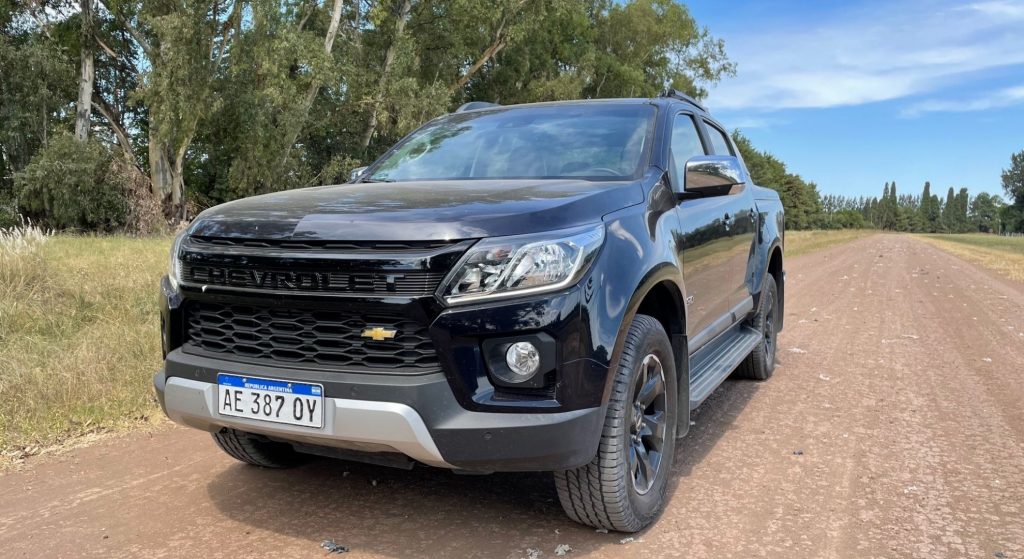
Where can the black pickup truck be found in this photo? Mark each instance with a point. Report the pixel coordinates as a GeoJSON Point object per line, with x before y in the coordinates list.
{"type": "Point", "coordinates": [545, 287]}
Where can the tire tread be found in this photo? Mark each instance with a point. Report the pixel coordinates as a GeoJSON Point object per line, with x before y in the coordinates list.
{"type": "Point", "coordinates": [597, 493]}
{"type": "Point", "coordinates": [756, 365]}
{"type": "Point", "coordinates": [246, 448]}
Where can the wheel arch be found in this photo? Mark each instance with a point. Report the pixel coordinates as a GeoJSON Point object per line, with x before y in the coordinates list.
{"type": "Point", "coordinates": [777, 271]}
{"type": "Point", "coordinates": [773, 260]}
{"type": "Point", "coordinates": [660, 296]}
{"type": "Point", "coordinates": [767, 258]}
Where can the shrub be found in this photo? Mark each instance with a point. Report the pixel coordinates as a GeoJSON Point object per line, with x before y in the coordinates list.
{"type": "Point", "coordinates": [69, 185]}
{"type": "Point", "coordinates": [144, 215]}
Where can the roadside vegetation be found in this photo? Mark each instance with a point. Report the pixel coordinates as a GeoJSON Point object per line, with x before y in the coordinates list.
{"type": "Point", "coordinates": [78, 334]}
{"type": "Point", "coordinates": [1005, 255]}
{"type": "Point", "coordinates": [804, 242]}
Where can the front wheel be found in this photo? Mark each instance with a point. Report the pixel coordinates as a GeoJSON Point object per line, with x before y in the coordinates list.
{"type": "Point", "coordinates": [256, 450]}
{"type": "Point", "coordinates": [623, 487]}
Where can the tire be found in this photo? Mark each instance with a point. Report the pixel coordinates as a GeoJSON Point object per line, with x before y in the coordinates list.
{"type": "Point", "coordinates": [760, 364]}
{"type": "Point", "coordinates": [606, 493]}
{"type": "Point", "coordinates": [257, 451]}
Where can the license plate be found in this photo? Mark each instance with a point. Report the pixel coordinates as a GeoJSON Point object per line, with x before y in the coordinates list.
{"type": "Point", "coordinates": [293, 403]}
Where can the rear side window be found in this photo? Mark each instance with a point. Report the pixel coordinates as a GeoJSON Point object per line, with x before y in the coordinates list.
{"type": "Point", "coordinates": [718, 140]}
{"type": "Point", "coordinates": [685, 144]}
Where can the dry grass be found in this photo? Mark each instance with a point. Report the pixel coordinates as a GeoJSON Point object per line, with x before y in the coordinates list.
{"type": "Point", "coordinates": [803, 242]}
{"type": "Point", "coordinates": [79, 338]}
{"type": "Point", "coordinates": [1005, 255]}
{"type": "Point", "coordinates": [20, 257]}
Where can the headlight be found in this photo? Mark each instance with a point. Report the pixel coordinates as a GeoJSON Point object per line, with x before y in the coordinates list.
{"type": "Point", "coordinates": [510, 266]}
{"type": "Point", "coordinates": [174, 266]}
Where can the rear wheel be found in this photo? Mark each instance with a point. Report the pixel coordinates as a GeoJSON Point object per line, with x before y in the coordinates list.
{"type": "Point", "coordinates": [256, 450]}
{"type": "Point", "coordinates": [623, 487]}
{"type": "Point", "coordinates": [760, 364]}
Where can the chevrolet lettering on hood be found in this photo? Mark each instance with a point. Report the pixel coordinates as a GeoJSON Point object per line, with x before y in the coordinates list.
{"type": "Point", "coordinates": [292, 281]}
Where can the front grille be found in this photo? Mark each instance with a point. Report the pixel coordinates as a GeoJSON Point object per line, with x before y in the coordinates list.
{"type": "Point", "coordinates": [326, 339]}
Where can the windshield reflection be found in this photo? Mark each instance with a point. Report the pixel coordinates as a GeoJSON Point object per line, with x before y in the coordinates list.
{"type": "Point", "coordinates": [599, 141]}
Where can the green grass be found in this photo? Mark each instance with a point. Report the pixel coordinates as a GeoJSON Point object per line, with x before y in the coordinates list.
{"type": "Point", "coordinates": [994, 242]}
{"type": "Point", "coordinates": [79, 337]}
{"type": "Point", "coordinates": [1005, 255]}
{"type": "Point", "coordinates": [804, 242]}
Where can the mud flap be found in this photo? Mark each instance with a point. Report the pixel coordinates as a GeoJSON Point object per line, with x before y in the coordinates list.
{"type": "Point", "coordinates": [681, 348]}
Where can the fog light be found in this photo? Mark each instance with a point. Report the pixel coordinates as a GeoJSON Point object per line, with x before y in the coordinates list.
{"type": "Point", "coordinates": [523, 359]}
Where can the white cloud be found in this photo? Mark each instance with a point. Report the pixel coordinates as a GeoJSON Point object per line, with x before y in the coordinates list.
{"type": "Point", "coordinates": [747, 122]}
{"type": "Point", "coordinates": [995, 100]}
{"type": "Point", "coordinates": [1006, 9]}
{"type": "Point", "coordinates": [889, 51]}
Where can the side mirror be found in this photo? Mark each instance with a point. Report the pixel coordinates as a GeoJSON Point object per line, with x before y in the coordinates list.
{"type": "Point", "coordinates": [356, 173]}
{"type": "Point", "coordinates": [713, 175]}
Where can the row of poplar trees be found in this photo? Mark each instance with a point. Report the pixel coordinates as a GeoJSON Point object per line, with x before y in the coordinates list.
{"type": "Point", "coordinates": [958, 212]}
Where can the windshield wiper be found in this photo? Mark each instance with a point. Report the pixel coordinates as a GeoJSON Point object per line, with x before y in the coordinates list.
{"type": "Point", "coordinates": [368, 179]}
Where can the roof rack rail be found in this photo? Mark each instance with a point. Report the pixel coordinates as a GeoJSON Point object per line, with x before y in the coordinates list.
{"type": "Point", "coordinates": [676, 94]}
{"type": "Point", "coordinates": [472, 105]}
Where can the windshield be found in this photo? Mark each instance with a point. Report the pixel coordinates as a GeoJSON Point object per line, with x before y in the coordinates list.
{"type": "Point", "coordinates": [599, 141]}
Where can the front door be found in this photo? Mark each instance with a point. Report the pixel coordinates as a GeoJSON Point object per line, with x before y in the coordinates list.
{"type": "Point", "coordinates": [740, 217]}
{"type": "Point", "coordinates": [705, 243]}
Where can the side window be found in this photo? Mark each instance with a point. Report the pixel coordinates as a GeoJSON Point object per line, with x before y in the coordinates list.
{"type": "Point", "coordinates": [685, 144]}
{"type": "Point", "coordinates": [718, 140]}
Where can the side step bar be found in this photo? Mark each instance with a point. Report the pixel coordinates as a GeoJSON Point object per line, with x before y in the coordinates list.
{"type": "Point", "coordinates": [714, 362]}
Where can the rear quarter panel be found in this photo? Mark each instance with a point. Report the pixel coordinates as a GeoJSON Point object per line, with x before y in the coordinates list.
{"type": "Point", "coordinates": [770, 237]}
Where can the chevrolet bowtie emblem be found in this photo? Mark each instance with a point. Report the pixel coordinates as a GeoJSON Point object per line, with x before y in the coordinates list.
{"type": "Point", "coordinates": [377, 333]}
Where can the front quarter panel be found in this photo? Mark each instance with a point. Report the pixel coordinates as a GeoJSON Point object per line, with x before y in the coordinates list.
{"type": "Point", "coordinates": [639, 253]}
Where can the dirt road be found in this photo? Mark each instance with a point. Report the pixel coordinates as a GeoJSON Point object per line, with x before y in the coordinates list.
{"type": "Point", "coordinates": [894, 427]}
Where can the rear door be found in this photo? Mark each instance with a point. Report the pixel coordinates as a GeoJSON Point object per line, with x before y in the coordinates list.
{"type": "Point", "coordinates": [704, 240]}
{"type": "Point", "coordinates": [740, 218]}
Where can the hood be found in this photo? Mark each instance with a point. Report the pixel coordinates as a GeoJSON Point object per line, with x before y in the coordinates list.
{"type": "Point", "coordinates": [421, 210]}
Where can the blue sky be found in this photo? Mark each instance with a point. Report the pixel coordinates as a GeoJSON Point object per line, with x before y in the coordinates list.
{"type": "Point", "coordinates": [853, 94]}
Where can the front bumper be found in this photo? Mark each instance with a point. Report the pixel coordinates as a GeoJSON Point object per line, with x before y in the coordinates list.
{"type": "Point", "coordinates": [416, 416]}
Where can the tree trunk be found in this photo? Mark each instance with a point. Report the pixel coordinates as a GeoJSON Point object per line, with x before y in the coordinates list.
{"type": "Point", "coordinates": [114, 121]}
{"type": "Point", "coordinates": [83, 114]}
{"type": "Point", "coordinates": [332, 32]}
{"type": "Point", "coordinates": [389, 60]}
{"type": "Point", "coordinates": [500, 41]}
{"type": "Point", "coordinates": [492, 50]}
{"type": "Point", "coordinates": [166, 176]}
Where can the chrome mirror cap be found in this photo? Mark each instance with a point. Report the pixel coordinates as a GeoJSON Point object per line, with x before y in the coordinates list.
{"type": "Point", "coordinates": [713, 174]}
